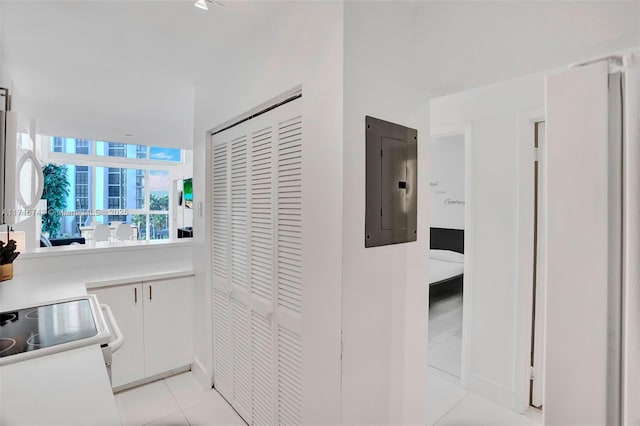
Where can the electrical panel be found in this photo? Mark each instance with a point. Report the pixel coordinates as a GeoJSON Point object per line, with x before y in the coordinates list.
{"type": "Point", "coordinates": [391, 183]}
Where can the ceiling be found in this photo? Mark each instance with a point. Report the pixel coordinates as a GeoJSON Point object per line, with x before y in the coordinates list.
{"type": "Point", "coordinates": [103, 69]}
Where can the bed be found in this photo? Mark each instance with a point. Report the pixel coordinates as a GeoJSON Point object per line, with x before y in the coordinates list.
{"type": "Point", "coordinates": [446, 257]}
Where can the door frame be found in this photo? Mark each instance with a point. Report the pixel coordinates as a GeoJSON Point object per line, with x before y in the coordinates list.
{"type": "Point", "coordinates": [466, 129]}
{"type": "Point", "coordinates": [525, 157]}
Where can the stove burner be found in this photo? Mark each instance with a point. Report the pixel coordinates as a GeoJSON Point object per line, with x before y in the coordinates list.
{"type": "Point", "coordinates": [32, 314]}
{"type": "Point", "coordinates": [34, 340]}
{"type": "Point", "coordinates": [6, 317]}
{"type": "Point", "coordinates": [6, 343]}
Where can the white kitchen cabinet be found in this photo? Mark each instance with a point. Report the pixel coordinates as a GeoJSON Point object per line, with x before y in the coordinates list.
{"type": "Point", "coordinates": [156, 319]}
{"type": "Point", "coordinates": [168, 321]}
{"type": "Point", "coordinates": [126, 305]}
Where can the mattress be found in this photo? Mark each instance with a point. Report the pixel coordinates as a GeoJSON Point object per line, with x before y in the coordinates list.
{"type": "Point", "coordinates": [441, 270]}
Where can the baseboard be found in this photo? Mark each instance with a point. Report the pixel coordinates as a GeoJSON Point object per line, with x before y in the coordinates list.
{"type": "Point", "coordinates": [150, 379]}
{"type": "Point", "coordinates": [492, 391]}
{"type": "Point", "coordinates": [203, 376]}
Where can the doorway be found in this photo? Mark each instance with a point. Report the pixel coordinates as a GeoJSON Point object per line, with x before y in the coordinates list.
{"type": "Point", "coordinates": [537, 309]}
{"type": "Point", "coordinates": [447, 177]}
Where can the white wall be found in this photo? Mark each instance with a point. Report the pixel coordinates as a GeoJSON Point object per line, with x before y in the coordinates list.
{"type": "Point", "coordinates": [3, 71]}
{"type": "Point", "coordinates": [397, 56]}
{"type": "Point", "coordinates": [446, 181]}
{"type": "Point", "coordinates": [466, 44]}
{"type": "Point", "coordinates": [303, 46]}
{"type": "Point", "coordinates": [494, 112]}
{"type": "Point", "coordinates": [384, 288]}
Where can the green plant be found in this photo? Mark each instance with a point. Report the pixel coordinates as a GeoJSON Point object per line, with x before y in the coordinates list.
{"type": "Point", "coordinates": [56, 191]}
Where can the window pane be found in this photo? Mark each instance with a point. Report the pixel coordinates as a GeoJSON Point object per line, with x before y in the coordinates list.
{"type": "Point", "coordinates": [140, 220]}
{"type": "Point", "coordinates": [74, 208]}
{"type": "Point", "coordinates": [57, 144]}
{"type": "Point", "coordinates": [159, 190]}
{"type": "Point", "coordinates": [122, 150]}
{"type": "Point", "coordinates": [164, 154]}
{"type": "Point", "coordinates": [158, 226]}
{"type": "Point", "coordinates": [70, 145]}
{"type": "Point", "coordinates": [83, 146]}
{"type": "Point", "coordinates": [121, 189]}
{"type": "Point", "coordinates": [140, 180]}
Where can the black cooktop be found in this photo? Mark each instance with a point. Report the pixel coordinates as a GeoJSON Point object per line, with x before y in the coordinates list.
{"type": "Point", "coordinates": [39, 327]}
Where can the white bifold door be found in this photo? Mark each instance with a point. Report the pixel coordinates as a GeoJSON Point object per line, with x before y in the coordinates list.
{"type": "Point", "coordinates": [256, 167]}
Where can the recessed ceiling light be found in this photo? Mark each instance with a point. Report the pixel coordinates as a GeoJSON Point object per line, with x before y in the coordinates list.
{"type": "Point", "coordinates": [128, 135]}
{"type": "Point", "coordinates": [204, 4]}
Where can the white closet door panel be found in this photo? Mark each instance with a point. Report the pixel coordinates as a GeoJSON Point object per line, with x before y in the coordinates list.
{"type": "Point", "coordinates": [221, 210]}
{"type": "Point", "coordinates": [241, 332]}
{"type": "Point", "coordinates": [222, 341]}
{"type": "Point", "coordinates": [262, 370]}
{"type": "Point", "coordinates": [262, 214]}
{"type": "Point", "coordinates": [257, 323]}
{"type": "Point", "coordinates": [289, 399]}
{"type": "Point", "coordinates": [289, 215]}
{"type": "Point", "coordinates": [239, 214]}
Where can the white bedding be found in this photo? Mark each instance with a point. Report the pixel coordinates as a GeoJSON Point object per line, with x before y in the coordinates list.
{"type": "Point", "coordinates": [441, 270]}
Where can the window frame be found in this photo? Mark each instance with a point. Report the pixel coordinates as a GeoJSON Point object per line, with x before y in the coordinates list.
{"type": "Point", "coordinates": [93, 161]}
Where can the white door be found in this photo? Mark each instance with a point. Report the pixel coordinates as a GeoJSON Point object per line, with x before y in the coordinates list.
{"type": "Point", "coordinates": [168, 324]}
{"type": "Point", "coordinates": [126, 304]}
{"type": "Point", "coordinates": [257, 265]}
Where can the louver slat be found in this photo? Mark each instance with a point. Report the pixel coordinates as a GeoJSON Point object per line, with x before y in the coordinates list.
{"type": "Point", "coordinates": [241, 358]}
{"type": "Point", "coordinates": [220, 211]}
{"type": "Point", "coordinates": [239, 219]}
{"type": "Point", "coordinates": [289, 400]}
{"type": "Point", "coordinates": [223, 368]}
{"type": "Point", "coordinates": [262, 370]}
{"type": "Point", "coordinates": [289, 239]}
{"type": "Point", "coordinates": [262, 214]}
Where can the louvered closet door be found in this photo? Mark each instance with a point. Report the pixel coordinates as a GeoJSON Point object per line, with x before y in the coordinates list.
{"type": "Point", "coordinates": [257, 266]}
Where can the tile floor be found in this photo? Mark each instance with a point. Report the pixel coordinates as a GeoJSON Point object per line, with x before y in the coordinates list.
{"type": "Point", "coordinates": [180, 400]}
{"type": "Point", "coordinates": [445, 334]}
{"type": "Point", "coordinates": [175, 401]}
{"type": "Point", "coordinates": [448, 403]}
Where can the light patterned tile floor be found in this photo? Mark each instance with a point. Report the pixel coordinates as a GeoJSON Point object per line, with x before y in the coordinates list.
{"type": "Point", "coordinates": [448, 403]}
{"type": "Point", "coordinates": [175, 401]}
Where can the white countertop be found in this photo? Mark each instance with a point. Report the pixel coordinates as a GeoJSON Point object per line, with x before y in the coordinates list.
{"type": "Point", "coordinates": [66, 388]}
{"type": "Point", "coordinates": [93, 247]}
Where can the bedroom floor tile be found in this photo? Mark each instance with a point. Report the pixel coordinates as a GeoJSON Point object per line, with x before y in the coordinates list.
{"type": "Point", "coordinates": [440, 330]}
{"type": "Point", "coordinates": [453, 342]}
{"type": "Point", "coordinates": [477, 411]}
{"type": "Point", "coordinates": [442, 396]}
{"type": "Point", "coordinates": [453, 316]}
{"type": "Point", "coordinates": [446, 359]}
{"type": "Point", "coordinates": [445, 305]}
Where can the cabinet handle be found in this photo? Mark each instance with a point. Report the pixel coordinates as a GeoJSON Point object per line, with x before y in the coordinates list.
{"type": "Point", "coordinates": [150, 292]}
{"type": "Point", "coordinates": [135, 295]}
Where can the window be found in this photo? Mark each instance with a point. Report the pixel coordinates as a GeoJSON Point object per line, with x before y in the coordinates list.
{"type": "Point", "coordinates": [82, 146]}
{"type": "Point", "coordinates": [116, 149]}
{"type": "Point", "coordinates": [121, 182]}
{"type": "Point", "coordinates": [164, 154]}
{"type": "Point", "coordinates": [56, 144]}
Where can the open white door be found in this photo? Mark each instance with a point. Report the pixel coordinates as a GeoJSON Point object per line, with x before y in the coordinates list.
{"type": "Point", "coordinates": [631, 244]}
{"type": "Point", "coordinates": [583, 190]}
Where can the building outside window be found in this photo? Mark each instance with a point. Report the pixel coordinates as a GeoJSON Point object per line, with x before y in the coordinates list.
{"type": "Point", "coordinates": [137, 194]}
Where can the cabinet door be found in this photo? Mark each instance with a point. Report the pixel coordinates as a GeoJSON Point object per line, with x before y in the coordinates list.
{"type": "Point", "coordinates": [168, 322]}
{"type": "Point", "coordinates": [126, 305]}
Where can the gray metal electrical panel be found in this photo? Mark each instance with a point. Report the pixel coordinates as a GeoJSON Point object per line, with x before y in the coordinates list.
{"type": "Point", "coordinates": [391, 189]}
